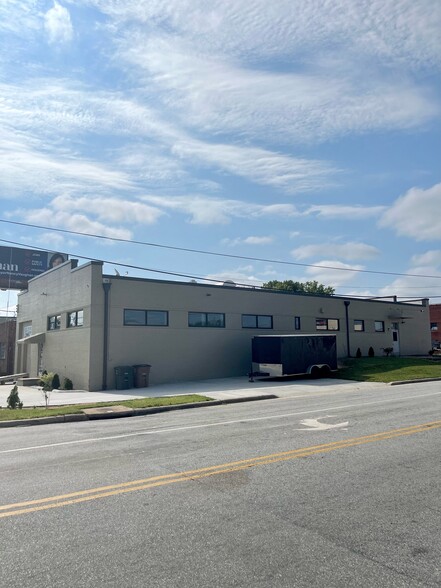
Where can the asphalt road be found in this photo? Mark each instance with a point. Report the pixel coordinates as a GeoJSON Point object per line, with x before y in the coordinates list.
{"type": "Point", "coordinates": [329, 490]}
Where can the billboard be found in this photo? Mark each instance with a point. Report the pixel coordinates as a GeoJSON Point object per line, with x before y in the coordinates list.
{"type": "Point", "coordinates": [18, 266]}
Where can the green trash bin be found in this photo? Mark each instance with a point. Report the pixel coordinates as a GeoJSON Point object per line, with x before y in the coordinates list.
{"type": "Point", "coordinates": [124, 377]}
{"type": "Point", "coordinates": [142, 372]}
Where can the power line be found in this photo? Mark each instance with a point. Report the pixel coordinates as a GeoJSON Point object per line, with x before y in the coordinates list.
{"type": "Point", "coordinates": [181, 275]}
{"type": "Point", "coordinates": [205, 252]}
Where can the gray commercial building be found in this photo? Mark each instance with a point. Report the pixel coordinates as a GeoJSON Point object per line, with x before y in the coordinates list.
{"type": "Point", "coordinates": [81, 324]}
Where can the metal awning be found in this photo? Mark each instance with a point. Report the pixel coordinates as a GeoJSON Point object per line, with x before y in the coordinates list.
{"type": "Point", "coordinates": [37, 338]}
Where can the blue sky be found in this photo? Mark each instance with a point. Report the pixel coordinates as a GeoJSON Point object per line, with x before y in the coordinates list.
{"type": "Point", "coordinates": [297, 131]}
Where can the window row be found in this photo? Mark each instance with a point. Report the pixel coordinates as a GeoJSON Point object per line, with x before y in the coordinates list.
{"type": "Point", "coordinates": [74, 319]}
{"type": "Point", "coordinates": [159, 318]}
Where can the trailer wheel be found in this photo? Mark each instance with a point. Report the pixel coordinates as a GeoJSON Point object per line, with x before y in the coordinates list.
{"type": "Point", "coordinates": [325, 371]}
{"type": "Point", "coordinates": [315, 372]}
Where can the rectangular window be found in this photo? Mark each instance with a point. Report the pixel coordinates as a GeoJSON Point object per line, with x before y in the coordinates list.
{"type": "Point", "coordinates": [257, 321]}
{"type": "Point", "coordinates": [54, 322]}
{"type": "Point", "coordinates": [27, 330]}
{"type": "Point", "coordinates": [433, 326]}
{"type": "Point", "coordinates": [379, 326]}
{"type": "Point", "coordinates": [145, 318]}
{"type": "Point", "coordinates": [157, 318]}
{"type": "Point", "coordinates": [358, 325]}
{"type": "Point", "coordinates": [75, 318]}
{"type": "Point", "coordinates": [206, 319]}
{"type": "Point", "coordinates": [327, 324]}
{"type": "Point", "coordinates": [2, 350]}
{"type": "Point", "coordinates": [297, 326]}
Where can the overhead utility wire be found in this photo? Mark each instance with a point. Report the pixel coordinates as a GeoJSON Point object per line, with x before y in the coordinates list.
{"type": "Point", "coordinates": [157, 271]}
{"type": "Point", "coordinates": [202, 252]}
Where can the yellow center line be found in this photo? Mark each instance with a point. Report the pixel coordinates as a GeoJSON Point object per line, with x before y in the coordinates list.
{"type": "Point", "coordinates": [19, 508]}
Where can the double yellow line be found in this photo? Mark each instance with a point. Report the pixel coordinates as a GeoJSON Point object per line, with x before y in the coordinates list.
{"type": "Point", "coordinates": [29, 506]}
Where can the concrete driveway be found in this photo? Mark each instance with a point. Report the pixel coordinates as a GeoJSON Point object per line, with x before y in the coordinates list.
{"type": "Point", "coordinates": [220, 389]}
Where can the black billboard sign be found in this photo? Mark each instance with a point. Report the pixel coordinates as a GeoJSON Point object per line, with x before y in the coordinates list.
{"type": "Point", "coordinates": [18, 266]}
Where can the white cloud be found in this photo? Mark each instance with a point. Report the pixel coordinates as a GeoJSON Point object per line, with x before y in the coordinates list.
{"type": "Point", "coordinates": [386, 29]}
{"type": "Point", "coordinates": [260, 165]}
{"type": "Point", "coordinates": [28, 166]}
{"type": "Point", "coordinates": [243, 275]}
{"type": "Point", "coordinates": [80, 223]}
{"type": "Point", "coordinates": [58, 25]}
{"type": "Point", "coordinates": [416, 214]}
{"type": "Point", "coordinates": [204, 210]}
{"type": "Point", "coordinates": [429, 258]}
{"type": "Point", "coordinates": [109, 209]}
{"type": "Point", "coordinates": [248, 241]}
{"type": "Point", "coordinates": [350, 250]}
{"type": "Point", "coordinates": [344, 212]}
{"type": "Point", "coordinates": [333, 277]}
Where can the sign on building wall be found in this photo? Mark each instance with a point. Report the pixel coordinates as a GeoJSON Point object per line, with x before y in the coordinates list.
{"type": "Point", "coordinates": [18, 266]}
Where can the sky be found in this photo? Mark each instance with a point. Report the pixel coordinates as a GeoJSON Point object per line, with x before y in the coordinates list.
{"type": "Point", "coordinates": [294, 139]}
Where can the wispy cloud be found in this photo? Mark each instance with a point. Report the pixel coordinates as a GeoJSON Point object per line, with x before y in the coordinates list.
{"type": "Point", "coordinates": [343, 211]}
{"type": "Point", "coordinates": [217, 96]}
{"type": "Point", "coordinates": [252, 240]}
{"type": "Point", "coordinates": [26, 166]}
{"type": "Point", "coordinates": [416, 214]}
{"type": "Point", "coordinates": [260, 165]}
{"type": "Point", "coordinates": [350, 250]}
{"type": "Point", "coordinates": [204, 210]}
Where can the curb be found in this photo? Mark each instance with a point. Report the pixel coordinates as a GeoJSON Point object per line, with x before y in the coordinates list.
{"type": "Point", "coordinates": [68, 418]}
{"type": "Point", "coordinates": [399, 382]}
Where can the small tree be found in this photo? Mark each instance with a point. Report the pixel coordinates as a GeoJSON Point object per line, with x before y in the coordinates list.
{"type": "Point", "coordinates": [358, 353]}
{"type": "Point", "coordinates": [56, 382]}
{"type": "Point", "coordinates": [371, 352]}
{"type": "Point", "coordinates": [14, 399]}
{"type": "Point", "coordinates": [46, 381]}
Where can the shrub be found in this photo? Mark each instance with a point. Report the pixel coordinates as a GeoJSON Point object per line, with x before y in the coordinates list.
{"type": "Point", "coordinates": [358, 354]}
{"type": "Point", "coordinates": [387, 350]}
{"type": "Point", "coordinates": [67, 384]}
{"type": "Point", "coordinates": [371, 352]}
{"type": "Point", "coordinates": [56, 382]}
{"type": "Point", "coordinates": [14, 399]}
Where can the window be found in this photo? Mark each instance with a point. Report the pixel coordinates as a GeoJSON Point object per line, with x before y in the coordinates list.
{"type": "Point", "coordinates": [433, 326]}
{"type": "Point", "coordinates": [379, 326]}
{"type": "Point", "coordinates": [2, 350]}
{"type": "Point", "coordinates": [145, 318]}
{"type": "Point", "coordinates": [297, 323]}
{"type": "Point", "coordinates": [27, 330]}
{"type": "Point", "coordinates": [358, 325]}
{"type": "Point", "coordinates": [257, 321]}
{"type": "Point", "coordinates": [75, 318]}
{"type": "Point", "coordinates": [206, 319]}
{"type": "Point", "coordinates": [54, 322]}
{"type": "Point", "coordinates": [327, 324]}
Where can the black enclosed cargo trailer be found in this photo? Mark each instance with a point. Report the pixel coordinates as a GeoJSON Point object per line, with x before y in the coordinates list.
{"type": "Point", "coordinates": [287, 355]}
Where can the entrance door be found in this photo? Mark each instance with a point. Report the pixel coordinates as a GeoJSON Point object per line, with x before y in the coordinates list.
{"type": "Point", "coordinates": [395, 342]}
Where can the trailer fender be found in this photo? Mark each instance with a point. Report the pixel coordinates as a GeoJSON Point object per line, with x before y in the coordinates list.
{"type": "Point", "coordinates": [319, 370]}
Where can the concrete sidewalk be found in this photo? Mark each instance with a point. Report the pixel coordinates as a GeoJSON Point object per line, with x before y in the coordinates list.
{"type": "Point", "coordinates": [221, 389]}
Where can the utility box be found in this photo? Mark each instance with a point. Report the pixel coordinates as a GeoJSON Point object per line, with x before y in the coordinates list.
{"type": "Point", "coordinates": [288, 355]}
{"type": "Point", "coordinates": [124, 377]}
{"type": "Point", "coordinates": [142, 372]}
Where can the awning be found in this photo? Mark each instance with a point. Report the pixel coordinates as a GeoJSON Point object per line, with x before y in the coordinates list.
{"type": "Point", "coordinates": [37, 338]}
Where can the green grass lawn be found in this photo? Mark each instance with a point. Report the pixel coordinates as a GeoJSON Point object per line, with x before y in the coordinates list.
{"type": "Point", "coordinates": [7, 414]}
{"type": "Point", "coordinates": [389, 369]}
